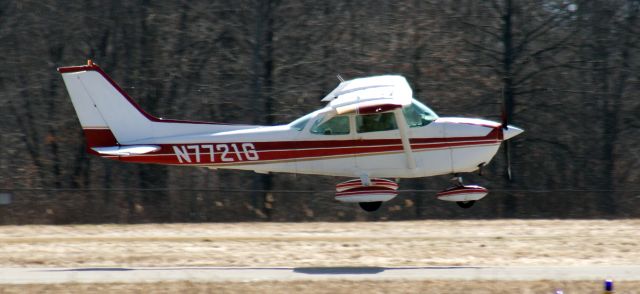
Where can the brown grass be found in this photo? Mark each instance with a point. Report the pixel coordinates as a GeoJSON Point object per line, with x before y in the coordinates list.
{"type": "Point", "coordinates": [483, 287]}
{"type": "Point", "coordinates": [386, 244]}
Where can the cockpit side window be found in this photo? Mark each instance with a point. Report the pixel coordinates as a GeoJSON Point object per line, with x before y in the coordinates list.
{"type": "Point", "coordinates": [418, 115]}
{"type": "Point", "coordinates": [338, 125]}
{"type": "Point", "coordinates": [376, 122]}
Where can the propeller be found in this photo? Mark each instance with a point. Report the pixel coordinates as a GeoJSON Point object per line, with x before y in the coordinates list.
{"type": "Point", "coordinates": [507, 155]}
{"type": "Point", "coordinates": [503, 116]}
{"type": "Point", "coordinates": [505, 126]}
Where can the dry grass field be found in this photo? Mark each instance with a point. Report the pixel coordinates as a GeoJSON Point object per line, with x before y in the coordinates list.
{"type": "Point", "coordinates": [370, 287]}
{"type": "Point", "coordinates": [382, 244]}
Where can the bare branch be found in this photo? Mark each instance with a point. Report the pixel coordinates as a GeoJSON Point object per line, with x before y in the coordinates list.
{"type": "Point", "coordinates": [486, 50]}
{"type": "Point", "coordinates": [482, 29]}
{"type": "Point", "coordinates": [531, 91]}
{"type": "Point", "coordinates": [528, 38]}
{"type": "Point", "coordinates": [538, 53]}
{"type": "Point", "coordinates": [534, 73]}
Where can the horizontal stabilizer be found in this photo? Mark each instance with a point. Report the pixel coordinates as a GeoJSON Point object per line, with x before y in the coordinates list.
{"type": "Point", "coordinates": [126, 150]}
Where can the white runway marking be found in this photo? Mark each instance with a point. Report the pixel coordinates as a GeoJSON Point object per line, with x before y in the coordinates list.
{"type": "Point", "coordinates": [244, 274]}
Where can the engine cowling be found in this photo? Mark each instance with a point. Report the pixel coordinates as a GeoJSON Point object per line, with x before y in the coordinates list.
{"type": "Point", "coordinates": [463, 193]}
{"type": "Point", "coordinates": [380, 190]}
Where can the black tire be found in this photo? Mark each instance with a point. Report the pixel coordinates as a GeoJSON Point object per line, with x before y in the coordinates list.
{"type": "Point", "coordinates": [465, 204]}
{"type": "Point", "coordinates": [370, 206]}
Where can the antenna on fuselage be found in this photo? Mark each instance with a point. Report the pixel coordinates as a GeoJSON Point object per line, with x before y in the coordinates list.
{"type": "Point", "coordinates": [340, 78]}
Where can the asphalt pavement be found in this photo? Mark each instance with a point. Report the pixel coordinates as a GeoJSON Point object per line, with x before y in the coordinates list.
{"type": "Point", "coordinates": [247, 274]}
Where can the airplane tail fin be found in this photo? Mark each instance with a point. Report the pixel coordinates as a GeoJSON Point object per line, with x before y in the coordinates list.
{"type": "Point", "coordinates": [109, 117]}
{"type": "Point", "coordinates": [106, 113]}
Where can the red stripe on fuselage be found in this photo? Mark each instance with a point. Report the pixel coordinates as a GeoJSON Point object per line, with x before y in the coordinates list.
{"type": "Point", "coordinates": [230, 153]}
{"type": "Point", "coordinates": [281, 155]}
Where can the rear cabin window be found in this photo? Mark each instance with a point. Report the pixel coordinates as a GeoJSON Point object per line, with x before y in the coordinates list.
{"type": "Point", "coordinates": [338, 125]}
{"type": "Point", "coordinates": [376, 122]}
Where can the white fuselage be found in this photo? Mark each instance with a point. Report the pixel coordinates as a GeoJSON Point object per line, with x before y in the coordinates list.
{"type": "Point", "coordinates": [446, 145]}
{"type": "Point", "coordinates": [370, 127]}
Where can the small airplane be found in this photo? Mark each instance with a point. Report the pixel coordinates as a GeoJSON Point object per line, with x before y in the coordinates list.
{"type": "Point", "coordinates": [371, 129]}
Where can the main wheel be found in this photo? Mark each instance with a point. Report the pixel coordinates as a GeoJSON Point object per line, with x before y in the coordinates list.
{"type": "Point", "coordinates": [465, 204]}
{"type": "Point", "coordinates": [370, 206]}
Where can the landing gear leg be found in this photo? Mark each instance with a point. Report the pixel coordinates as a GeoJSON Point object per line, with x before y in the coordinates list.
{"type": "Point", "coordinates": [480, 166]}
{"type": "Point", "coordinates": [460, 193]}
{"type": "Point", "coordinates": [365, 180]}
{"type": "Point", "coordinates": [457, 179]}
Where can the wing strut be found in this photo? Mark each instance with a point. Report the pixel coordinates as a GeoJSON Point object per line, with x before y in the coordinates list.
{"type": "Point", "coordinates": [404, 136]}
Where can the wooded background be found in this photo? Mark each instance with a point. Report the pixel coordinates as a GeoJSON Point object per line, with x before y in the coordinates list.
{"type": "Point", "coordinates": [567, 72]}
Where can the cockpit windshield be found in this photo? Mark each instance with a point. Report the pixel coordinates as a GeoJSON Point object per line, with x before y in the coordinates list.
{"type": "Point", "coordinates": [301, 122]}
{"type": "Point", "coordinates": [418, 115]}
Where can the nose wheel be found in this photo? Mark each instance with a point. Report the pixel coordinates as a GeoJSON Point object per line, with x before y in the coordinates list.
{"type": "Point", "coordinates": [463, 195]}
{"type": "Point", "coordinates": [466, 204]}
{"type": "Point", "coordinates": [370, 206]}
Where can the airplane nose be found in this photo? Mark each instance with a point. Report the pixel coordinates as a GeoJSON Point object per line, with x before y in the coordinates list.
{"type": "Point", "coordinates": [511, 131]}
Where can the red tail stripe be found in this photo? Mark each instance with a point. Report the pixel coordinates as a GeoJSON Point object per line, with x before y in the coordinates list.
{"type": "Point", "coordinates": [99, 137]}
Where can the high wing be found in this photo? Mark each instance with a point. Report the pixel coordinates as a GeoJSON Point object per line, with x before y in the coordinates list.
{"type": "Point", "coordinates": [368, 95]}
{"type": "Point", "coordinates": [375, 95]}
{"type": "Point", "coordinates": [387, 87]}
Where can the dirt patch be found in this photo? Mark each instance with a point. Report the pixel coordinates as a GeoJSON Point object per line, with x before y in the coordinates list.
{"type": "Point", "coordinates": [483, 287]}
{"type": "Point", "coordinates": [385, 244]}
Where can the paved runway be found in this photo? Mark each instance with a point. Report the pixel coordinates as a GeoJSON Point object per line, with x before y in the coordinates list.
{"type": "Point", "coordinates": [244, 274]}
